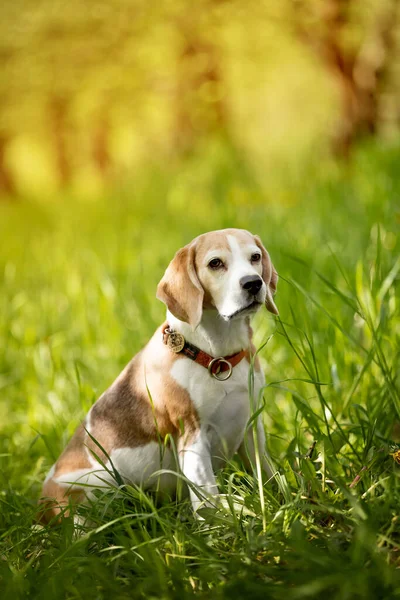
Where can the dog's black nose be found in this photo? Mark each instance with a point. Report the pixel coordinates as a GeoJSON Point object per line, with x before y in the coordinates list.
{"type": "Point", "coordinates": [251, 283]}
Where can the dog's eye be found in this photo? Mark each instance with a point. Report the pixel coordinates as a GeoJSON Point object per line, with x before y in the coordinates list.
{"type": "Point", "coordinates": [215, 263]}
{"type": "Point", "coordinates": [255, 257]}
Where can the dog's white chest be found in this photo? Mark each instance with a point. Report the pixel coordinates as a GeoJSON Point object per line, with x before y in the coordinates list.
{"type": "Point", "coordinates": [206, 392]}
{"type": "Point", "coordinates": [223, 406]}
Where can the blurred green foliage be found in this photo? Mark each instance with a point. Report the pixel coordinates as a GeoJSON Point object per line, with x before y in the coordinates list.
{"type": "Point", "coordinates": [93, 92]}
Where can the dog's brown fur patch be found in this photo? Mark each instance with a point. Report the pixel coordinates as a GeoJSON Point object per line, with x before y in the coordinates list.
{"type": "Point", "coordinates": [143, 405]}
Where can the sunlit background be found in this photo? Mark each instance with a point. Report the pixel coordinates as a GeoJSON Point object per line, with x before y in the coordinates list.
{"type": "Point", "coordinates": [91, 93]}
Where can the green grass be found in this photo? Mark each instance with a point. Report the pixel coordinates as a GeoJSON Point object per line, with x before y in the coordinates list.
{"type": "Point", "coordinates": [77, 300]}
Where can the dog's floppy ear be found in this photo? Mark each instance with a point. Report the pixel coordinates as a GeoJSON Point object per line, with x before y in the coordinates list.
{"type": "Point", "coordinates": [270, 277]}
{"type": "Point", "coordinates": [180, 288]}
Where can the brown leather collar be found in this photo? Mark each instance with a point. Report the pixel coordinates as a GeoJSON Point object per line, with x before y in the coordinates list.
{"type": "Point", "coordinates": [222, 364]}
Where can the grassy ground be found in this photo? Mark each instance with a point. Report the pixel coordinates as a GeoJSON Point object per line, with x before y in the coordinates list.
{"type": "Point", "coordinates": [77, 300]}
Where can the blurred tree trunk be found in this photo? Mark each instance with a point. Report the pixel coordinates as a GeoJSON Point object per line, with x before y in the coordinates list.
{"type": "Point", "coordinates": [7, 186]}
{"type": "Point", "coordinates": [359, 75]}
{"type": "Point", "coordinates": [200, 107]}
{"type": "Point", "coordinates": [100, 144]}
{"type": "Point", "coordinates": [58, 114]}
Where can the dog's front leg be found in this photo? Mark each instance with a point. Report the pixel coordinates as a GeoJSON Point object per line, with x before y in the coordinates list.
{"type": "Point", "coordinates": [195, 463]}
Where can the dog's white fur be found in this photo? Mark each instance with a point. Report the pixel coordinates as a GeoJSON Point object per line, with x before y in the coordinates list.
{"type": "Point", "coordinates": [220, 410]}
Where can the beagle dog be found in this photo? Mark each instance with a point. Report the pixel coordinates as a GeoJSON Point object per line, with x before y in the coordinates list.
{"type": "Point", "coordinates": [182, 403]}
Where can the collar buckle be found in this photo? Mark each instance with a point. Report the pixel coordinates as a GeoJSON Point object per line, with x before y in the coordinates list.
{"type": "Point", "coordinates": [216, 372]}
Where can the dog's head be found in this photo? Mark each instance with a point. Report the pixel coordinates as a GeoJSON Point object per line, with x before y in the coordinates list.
{"type": "Point", "coordinates": [228, 270]}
